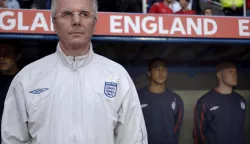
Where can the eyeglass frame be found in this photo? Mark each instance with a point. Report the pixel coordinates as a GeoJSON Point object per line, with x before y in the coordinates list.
{"type": "Point", "coordinates": [75, 13]}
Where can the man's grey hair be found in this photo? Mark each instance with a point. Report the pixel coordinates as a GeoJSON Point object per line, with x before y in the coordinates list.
{"type": "Point", "coordinates": [54, 4]}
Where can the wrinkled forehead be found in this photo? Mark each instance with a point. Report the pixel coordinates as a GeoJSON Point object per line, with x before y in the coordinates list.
{"type": "Point", "coordinates": [74, 5]}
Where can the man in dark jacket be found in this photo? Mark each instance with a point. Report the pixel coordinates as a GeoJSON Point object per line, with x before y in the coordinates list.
{"type": "Point", "coordinates": [220, 114]}
{"type": "Point", "coordinates": [162, 108]}
{"type": "Point", "coordinates": [9, 55]}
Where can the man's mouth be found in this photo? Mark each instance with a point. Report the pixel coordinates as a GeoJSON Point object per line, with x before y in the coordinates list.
{"type": "Point", "coordinates": [76, 33]}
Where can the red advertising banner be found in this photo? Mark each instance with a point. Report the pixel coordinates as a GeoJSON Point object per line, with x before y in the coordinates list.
{"type": "Point", "coordinates": [122, 24]}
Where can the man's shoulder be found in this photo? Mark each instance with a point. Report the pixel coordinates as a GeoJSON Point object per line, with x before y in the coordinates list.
{"type": "Point", "coordinates": [142, 91]}
{"type": "Point", "coordinates": [174, 94]}
{"type": "Point", "coordinates": [206, 97]}
{"type": "Point", "coordinates": [109, 64]}
{"type": "Point", "coordinates": [238, 95]}
{"type": "Point", "coordinates": [40, 64]}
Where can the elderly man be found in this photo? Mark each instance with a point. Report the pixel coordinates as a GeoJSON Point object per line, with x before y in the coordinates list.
{"type": "Point", "coordinates": [74, 95]}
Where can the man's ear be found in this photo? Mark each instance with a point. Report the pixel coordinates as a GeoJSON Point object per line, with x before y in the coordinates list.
{"type": "Point", "coordinates": [95, 25]}
{"type": "Point", "coordinates": [219, 75]}
{"type": "Point", "coordinates": [54, 24]}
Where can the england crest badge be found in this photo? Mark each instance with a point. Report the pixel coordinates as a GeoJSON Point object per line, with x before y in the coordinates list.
{"type": "Point", "coordinates": [110, 89]}
{"type": "Point", "coordinates": [173, 104]}
{"type": "Point", "coordinates": [242, 104]}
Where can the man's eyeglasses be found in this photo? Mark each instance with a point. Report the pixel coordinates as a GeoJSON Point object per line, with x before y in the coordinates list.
{"type": "Point", "coordinates": [83, 14]}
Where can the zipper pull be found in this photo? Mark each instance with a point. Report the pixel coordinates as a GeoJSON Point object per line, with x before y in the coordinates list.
{"type": "Point", "coordinates": [74, 64]}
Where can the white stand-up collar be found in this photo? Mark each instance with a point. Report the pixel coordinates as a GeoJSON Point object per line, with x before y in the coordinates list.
{"type": "Point", "coordinates": [75, 62]}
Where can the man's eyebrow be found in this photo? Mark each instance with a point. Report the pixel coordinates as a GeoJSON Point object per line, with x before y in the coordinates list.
{"type": "Point", "coordinates": [66, 11]}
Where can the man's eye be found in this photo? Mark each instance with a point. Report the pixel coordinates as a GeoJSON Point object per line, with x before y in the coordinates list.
{"type": "Point", "coordinates": [84, 14]}
{"type": "Point", "coordinates": [66, 14]}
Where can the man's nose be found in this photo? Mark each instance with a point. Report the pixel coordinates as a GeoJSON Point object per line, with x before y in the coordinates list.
{"type": "Point", "coordinates": [76, 19]}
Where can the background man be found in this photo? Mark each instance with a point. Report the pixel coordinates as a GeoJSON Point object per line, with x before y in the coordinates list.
{"type": "Point", "coordinates": [220, 113]}
{"type": "Point", "coordinates": [9, 56]}
{"type": "Point", "coordinates": [73, 95]}
{"type": "Point", "coordinates": [11, 4]}
{"type": "Point", "coordinates": [232, 7]}
{"type": "Point", "coordinates": [208, 11]}
{"type": "Point", "coordinates": [163, 7]}
{"type": "Point", "coordinates": [162, 108]}
{"type": "Point", "coordinates": [184, 8]}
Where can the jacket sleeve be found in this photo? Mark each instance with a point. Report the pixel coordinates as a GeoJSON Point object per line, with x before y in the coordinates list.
{"type": "Point", "coordinates": [178, 117]}
{"type": "Point", "coordinates": [14, 129]}
{"type": "Point", "coordinates": [200, 122]}
{"type": "Point", "coordinates": [131, 127]}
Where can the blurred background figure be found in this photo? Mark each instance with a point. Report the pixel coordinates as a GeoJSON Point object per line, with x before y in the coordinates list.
{"type": "Point", "coordinates": [9, 56]}
{"type": "Point", "coordinates": [184, 8]}
{"type": "Point", "coordinates": [41, 4]}
{"type": "Point", "coordinates": [248, 7]}
{"type": "Point", "coordinates": [175, 6]}
{"type": "Point", "coordinates": [232, 7]}
{"type": "Point", "coordinates": [207, 11]}
{"type": "Point", "coordinates": [11, 4]}
{"type": "Point", "coordinates": [162, 7]}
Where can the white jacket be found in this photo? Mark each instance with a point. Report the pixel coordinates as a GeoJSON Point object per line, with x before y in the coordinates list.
{"type": "Point", "coordinates": [64, 100]}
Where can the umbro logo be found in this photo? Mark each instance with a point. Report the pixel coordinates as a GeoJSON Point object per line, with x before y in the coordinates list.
{"type": "Point", "coordinates": [144, 105]}
{"type": "Point", "coordinates": [214, 108]}
{"type": "Point", "coordinates": [38, 91]}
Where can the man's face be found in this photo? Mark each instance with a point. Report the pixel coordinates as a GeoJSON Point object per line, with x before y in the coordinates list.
{"type": "Point", "coordinates": [159, 74]}
{"type": "Point", "coordinates": [183, 3]}
{"type": "Point", "coordinates": [8, 57]}
{"type": "Point", "coordinates": [229, 76]}
{"type": "Point", "coordinates": [208, 12]}
{"type": "Point", "coordinates": [74, 30]}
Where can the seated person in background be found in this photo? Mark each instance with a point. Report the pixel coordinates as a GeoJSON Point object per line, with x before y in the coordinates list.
{"type": "Point", "coordinates": [41, 4]}
{"type": "Point", "coordinates": [175, 6]}
{"type": "Point", "coordinates": [161, 7]}
{"type": "Point", "coordinates": [11, 4]}
{"type": "Point", "coordinates": [207, 11]}
{"type": "Point", "coordinates": [248, 7]}
{"type": "Point", "coordinates": [232, 7]}
{"type": "Point", "coordinates": [9, 56]}
{"type": "Point", "coordinates": [184, 8]}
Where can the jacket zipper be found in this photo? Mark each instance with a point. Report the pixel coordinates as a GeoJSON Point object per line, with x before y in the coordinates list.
{"type": "Point", "coordinates": [74, 104]}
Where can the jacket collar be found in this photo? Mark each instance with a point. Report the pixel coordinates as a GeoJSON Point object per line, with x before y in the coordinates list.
{"type": "Point", "coordinates": [75, 62]}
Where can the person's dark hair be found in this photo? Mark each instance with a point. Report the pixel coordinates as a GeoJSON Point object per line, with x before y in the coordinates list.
{"type": "Point", "coordinates": [206, 8]}
{"type": "Point", "coordinates": [13, 44]}
{"type": "Point", "coordinates": [224, 65]}
{"type": "Point", "coordinates": [154, 61]}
